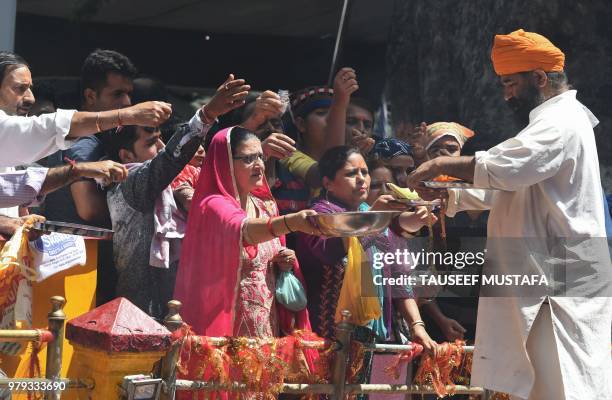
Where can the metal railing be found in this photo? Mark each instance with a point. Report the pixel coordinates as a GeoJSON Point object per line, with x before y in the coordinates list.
{"type": "Point", "coordinates": [54, 337]}
{"type": "Point", "coordinates": [337, 389]}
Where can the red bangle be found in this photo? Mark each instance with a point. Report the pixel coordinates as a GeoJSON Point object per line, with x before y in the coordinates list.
{"type": "Point", "coordinates": [69, 161]}
{"type": "Point", "coordinates": [73, 164]}
{"type": "Point", "coordinates": [269, 225]}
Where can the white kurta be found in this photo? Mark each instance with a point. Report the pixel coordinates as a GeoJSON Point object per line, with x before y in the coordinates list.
{"type": "Point", "coordinates": [548, 186]}
{"type": "Point", "coordinates": [12, 212]}
{"type": "Point", "coordinates": [28, 139]}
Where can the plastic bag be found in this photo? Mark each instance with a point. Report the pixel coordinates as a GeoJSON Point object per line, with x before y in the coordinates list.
{"type": "Point", "coordinates": [357, 294]}
{"type": "Point", "coordinates": [290, 292]}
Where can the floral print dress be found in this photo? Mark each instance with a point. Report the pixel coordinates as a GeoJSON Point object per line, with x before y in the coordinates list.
{"type": "Point", "coordinates": [255, 313]}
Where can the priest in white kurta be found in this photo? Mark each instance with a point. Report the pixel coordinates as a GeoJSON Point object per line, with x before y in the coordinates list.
{"type": "Point", "coordinates": [543, 190]}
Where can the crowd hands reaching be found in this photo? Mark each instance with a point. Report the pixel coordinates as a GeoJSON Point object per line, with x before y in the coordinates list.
{"type": "Point", "coordinates": [314, 152]}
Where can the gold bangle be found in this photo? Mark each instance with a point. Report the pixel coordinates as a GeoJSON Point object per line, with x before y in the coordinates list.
{"type": "Point", "coordinates": [98, 127]}
{"type": "Point", "coordinates": [415, 323]}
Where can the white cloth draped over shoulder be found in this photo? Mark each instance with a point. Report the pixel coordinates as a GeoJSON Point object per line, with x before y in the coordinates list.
{"type": "Point", "coordinates": [28, 139]}
{"type": "Point", "coordinates": [547, 206]}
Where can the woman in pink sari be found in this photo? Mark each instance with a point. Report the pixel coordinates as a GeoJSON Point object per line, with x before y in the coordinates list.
{"type": "Point", "coordinates": [235, 238]}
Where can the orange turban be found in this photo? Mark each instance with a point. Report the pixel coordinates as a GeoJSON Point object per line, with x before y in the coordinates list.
{"type": "Point", "coordinates": [438, 130]}
{"type": "Point", "coordinates": [523, 51]}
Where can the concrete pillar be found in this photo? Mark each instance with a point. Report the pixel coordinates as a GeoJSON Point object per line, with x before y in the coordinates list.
{"type": "Point", "coordinates": [8, 14]}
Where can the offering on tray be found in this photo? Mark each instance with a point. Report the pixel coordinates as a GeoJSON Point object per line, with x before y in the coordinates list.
{"type": "Point", "coordinates": [402, 193]}
{"type": "Point", "coordinates": [446, 178]}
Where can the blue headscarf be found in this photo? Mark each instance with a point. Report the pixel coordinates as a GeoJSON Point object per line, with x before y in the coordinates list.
{"type": "Point", "coordinates": [388, 148]}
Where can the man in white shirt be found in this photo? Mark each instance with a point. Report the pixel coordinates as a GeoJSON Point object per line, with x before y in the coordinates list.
{"type": "Point", "coordinates": [546, 209]}
{"type": "Point", "coordinates": [27, 139]}
{"type": "Point", "coordinates": [16, 98]}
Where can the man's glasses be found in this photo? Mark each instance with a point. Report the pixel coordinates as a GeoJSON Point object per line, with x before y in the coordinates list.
{"type": "Point", "coordinates": [248, 160]}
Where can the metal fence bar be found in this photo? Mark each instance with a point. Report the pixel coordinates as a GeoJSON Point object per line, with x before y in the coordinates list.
{"type": "Point", "coordinates": [302, 388]}
{"type": "Point", "coordinates": [293, 388]}
{"type": "Point", "coordinates": [55, 348]}
{"type": "Point", "coordinates": [408, 389]}
{"type": "Point", "coordinates": [344, 331]}
{"type": "Point", "coordinates": [172, 322]}
{"type": "Point", "coordinates": [319, 344]}
{"type": "Point", "coordinates": [397, 348]}
{"type": "Point", "coordinates": [30, 335]}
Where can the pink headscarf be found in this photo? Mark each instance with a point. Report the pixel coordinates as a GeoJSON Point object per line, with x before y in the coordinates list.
{"type": "Point", "coordinates": [207, 278]}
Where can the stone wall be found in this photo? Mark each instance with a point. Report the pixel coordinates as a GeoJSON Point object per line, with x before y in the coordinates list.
{"type": "Point", "coordinates": [439, 68]}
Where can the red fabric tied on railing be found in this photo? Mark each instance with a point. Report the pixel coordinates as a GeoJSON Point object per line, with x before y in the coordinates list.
{"type": "Point", "coordinates": [402, 359]}
{"type": "Point", "coordinates": [439, 371]}
{"type": "Point", "coordinates": [262, 366]}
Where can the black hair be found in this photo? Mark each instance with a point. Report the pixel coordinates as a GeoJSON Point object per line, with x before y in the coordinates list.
{"type": "Point", "coordinates": [148, 89]}
{"type": "Point", "coordinates": [249, 106]}
{"type": "Point", "coordinates": [334, 159]}
{"type": "Point", "coordinates": [122, 140]}
{"type": "Point", "coordinates": [363, 103]}
{"type": "Point", "coordinates": [9, 61]}
{"type": "Point", "coordinates": [375, 163]}
{"type": "Point", "coordinates": [99, 64]}
{"type": "Point", "coordinates": [240, 135]}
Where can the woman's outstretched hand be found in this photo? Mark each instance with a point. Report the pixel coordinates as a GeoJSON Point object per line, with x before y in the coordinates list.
{"type": "Point", "coordinates": [299, 222]}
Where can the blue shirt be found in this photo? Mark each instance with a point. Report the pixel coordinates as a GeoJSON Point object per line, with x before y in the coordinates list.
{"type": "Point", "coordinates": [59, 205]}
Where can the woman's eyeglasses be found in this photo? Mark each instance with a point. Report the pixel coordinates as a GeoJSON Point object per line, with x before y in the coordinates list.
{"type": "Point", "coordinates": [250, 159]}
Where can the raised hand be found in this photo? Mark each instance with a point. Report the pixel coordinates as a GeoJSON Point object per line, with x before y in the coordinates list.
{"type": "Point", "coordinates": [278, 145]}
{"type": "Point", "coordinates": [267, 105]}
{"type": "Point", "coordinates": [230, 95]}
{"type": "Point", "coordinates": [149, 113]}
{"type": "Point", "coordinates": [345, 84]}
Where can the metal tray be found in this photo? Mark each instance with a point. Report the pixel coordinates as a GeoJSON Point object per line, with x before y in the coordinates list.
{"type": "Point", "coordinates": [418, 203]}
{"type": "Point", "coordinates": [448, 185]}
{"type": "Point", "coordinates": [73, 229]}
{"type": "Point", "coordinates": [355, 223]}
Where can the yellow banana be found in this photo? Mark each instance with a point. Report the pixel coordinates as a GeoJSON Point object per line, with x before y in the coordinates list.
{"type": "Point", "coordinates": [403, 193]}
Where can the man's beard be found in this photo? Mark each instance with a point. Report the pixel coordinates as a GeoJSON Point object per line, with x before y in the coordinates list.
{"type": "Point", "coordinates": [522, 105]}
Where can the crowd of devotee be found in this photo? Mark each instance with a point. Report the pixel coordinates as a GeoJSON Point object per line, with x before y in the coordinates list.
{"type": "Point", "coordinates": [211, 210]}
